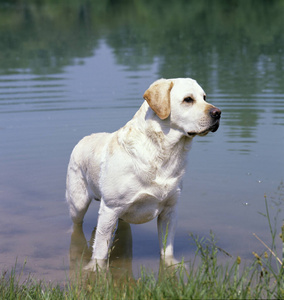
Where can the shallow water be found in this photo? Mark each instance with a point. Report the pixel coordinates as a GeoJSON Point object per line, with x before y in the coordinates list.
{"type": "Point", "coordinates": [70, 70]}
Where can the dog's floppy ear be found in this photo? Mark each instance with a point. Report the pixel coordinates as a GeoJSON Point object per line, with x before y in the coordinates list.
{"type": "Point", "coordinates": [158, 97]}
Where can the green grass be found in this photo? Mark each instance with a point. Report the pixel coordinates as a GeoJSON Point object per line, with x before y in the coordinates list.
{"type": "Point", "coordinates": [204, 278]}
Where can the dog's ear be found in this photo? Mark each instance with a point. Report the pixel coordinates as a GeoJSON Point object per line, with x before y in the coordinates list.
{"type": "Point", "coordinates": [158, 97]}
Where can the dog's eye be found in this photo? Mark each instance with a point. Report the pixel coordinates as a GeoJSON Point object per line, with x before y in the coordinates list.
{"type": "Point", "coordinates": [188, 100]}
{"type": "Point", "coordinates": [204, 97]}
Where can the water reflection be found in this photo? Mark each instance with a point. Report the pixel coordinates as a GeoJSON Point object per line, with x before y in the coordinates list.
{"type": "Point", "coordinates": [229, 52]}
{"type": "Point", "coordinates": [120, 260]}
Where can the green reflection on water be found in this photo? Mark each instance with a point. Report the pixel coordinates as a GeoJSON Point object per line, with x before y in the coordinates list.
{"type": "Point", "coordinates": [192, 32]}
{"type": "Point", "coordinates": [234, 47]}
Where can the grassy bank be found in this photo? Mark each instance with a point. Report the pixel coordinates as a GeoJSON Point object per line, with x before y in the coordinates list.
{"type": "Point", "coordinates": [204, 278]}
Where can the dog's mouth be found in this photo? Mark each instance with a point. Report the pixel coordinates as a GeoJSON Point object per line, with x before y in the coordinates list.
{"type": "Point", "coordinates": [212, 128]}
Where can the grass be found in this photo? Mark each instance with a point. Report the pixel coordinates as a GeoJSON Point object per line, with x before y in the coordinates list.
{"type": "Point", "coordinates": [204, 278]}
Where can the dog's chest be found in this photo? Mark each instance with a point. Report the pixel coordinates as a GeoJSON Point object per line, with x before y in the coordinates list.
{"type": "Point", "coordinates": [166, 184]}
{"type": "Point", "coordinates": [162, 178]}
{"type": "Point", "coordinates": [148, 204]}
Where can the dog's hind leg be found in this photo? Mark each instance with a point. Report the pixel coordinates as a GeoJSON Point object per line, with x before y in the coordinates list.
{"type": "Point", "coordinates": [77, 194]}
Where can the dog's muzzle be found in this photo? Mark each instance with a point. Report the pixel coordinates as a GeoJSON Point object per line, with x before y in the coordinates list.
{"type": "Point", "coordinates": [215, 114]}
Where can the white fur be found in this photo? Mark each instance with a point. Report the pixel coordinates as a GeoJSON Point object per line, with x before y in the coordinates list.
{"type": "Point", "coordinates": [136, 171]}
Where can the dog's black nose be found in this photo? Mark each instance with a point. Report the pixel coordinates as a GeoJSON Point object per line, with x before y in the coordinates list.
{"type": "Point", "coordinates": [215, 113]}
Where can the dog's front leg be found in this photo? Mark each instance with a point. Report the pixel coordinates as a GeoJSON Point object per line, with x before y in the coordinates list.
{"type": "Point", "coordinates": [167, 221]}
{"type": "Point", "coordinates": [106, 224]}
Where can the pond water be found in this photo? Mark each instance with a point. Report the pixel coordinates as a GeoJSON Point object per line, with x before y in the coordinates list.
{"type": "Point", "coordinates": [69, 70]}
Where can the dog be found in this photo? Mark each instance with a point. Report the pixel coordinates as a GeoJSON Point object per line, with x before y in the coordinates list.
{"type": "Point", "coordinates": [136, 172]}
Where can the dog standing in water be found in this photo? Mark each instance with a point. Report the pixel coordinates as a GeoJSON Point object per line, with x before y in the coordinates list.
{"type": "Point", "coordinates": [136, 171]}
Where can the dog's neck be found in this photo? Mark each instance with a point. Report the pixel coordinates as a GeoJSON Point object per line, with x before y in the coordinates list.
{"type": "Point", "coordinates": [160, 131]}
{"type": "Point", "coordinates": [160, 149]}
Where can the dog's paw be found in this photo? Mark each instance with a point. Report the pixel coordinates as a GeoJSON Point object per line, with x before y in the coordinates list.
{"type": "Point", "coordinates": [96, 265]}
{"type": "Point", "coordinates": [170, 261]}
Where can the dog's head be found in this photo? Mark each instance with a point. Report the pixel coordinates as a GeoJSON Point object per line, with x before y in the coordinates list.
{"type": "Point", "coordinates": [183, 101]}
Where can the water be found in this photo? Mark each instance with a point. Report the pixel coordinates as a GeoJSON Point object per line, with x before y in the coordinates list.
{"type": "Point", "coordinates": [73, 69]}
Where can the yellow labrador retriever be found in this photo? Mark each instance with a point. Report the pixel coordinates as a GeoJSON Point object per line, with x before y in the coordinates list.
{"type": "Point", "coordinates": [136, 171]}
